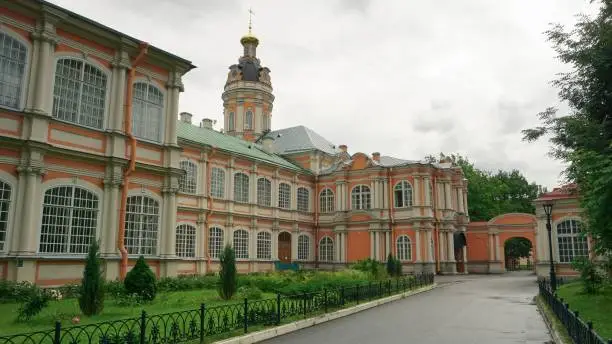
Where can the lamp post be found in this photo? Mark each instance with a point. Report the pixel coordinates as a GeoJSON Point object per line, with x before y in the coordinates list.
{"type": "Point", "coordinates": [553, 278]}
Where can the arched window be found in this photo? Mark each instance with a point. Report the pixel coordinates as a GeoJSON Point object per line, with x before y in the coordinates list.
{"type": "Point", "coordinates": [69, 220]}
{"type": "Point", "coordinates": [326, 249]}
{"type": "Point", "coordinates": [241, 188]}
{"type": "Point", "coordinates": [264, 245]}
{"type": "Point", "coordinates": [303, 247]}
{"type": "Point", "coordinates": [5, 199]}
{"type": "Point", "coordinates": [264, 122]}
{"type": "Point", "coordinates": [326, 200]}
{"type": "Point", "coordinates": [264, 192]}
{"type": "Point", "coordinates": [185, 241]}
{"type": "Point", "coordinates": [13, 58]}
{"type": "Point", "coordinates": [215, 241]}
{"type": "Point", "coordinates": [79, 93]}
{"type": "Point", "coordinates": [284, 196]}
{"type": "Point", "coordinates": [360, 197]}
{"type": "Point", "coordinates": [188, 182]}
{"type": "Point", "coordinates": [231, 122]}
{"type": "Point", "coordinates": [572, 243]}
{"type": "Point", "coordinates": [141, 225]}
{"type": "Point", "coordinates": [248, 120]}
{"type": "Point", "coordinates": [402, 194]}
{"type": "Point", "coordinates": [404, 250]}
{"type": "Point", "coordinates": [147, 112]}
{"type": "Point", "coordinates": [303, 199]}
{"type": "Point", "coordinates": [217, 182]}
{"type": "Point", "coordinates": [241, 244]}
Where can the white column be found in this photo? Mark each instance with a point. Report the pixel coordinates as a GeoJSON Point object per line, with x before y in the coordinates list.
{"type": "Point", "coordinates": [294, 245]}
{"type": "Point", "coordinates": [169, 220]}
{"type": "Point", "coordinates": [274, 244]}
{"type": "Point", "coordinates": [441, 249]}
{"type": "Point", "coordinates": [230, 183]}
{"type": "Point", "coordinates": [372, 243]}
{"type": "Point", "coordinates": [460, 199]}
{"type": "Point", "coordinates": [386, 195]}
{"type": "Point", "coordinates": [110, 222]}
{"type": "Point", "coordinates": [45, 39]}
{"type": "Point", "coordinates": [465, 203]}
{"type": "Point", "coordinates": [343, 244]}
{"type": "Point", "coordinates": [387, 243]}
{"type": "Point", "coordinates": [491, 247]}
{"type": "Point", "coordinates": [417, 245]}
{"type": "Point", "coordinates": [448, 195]}
{"type": "Point", "coordinates": [430, 251]}
{"type": "Point", "coordinates": [497, 248]}
{"type": "Point", "coordinates": [451, 246]}
{"type": "Point", "coordinates": [117, 113]}
{"type": "Point", "coordinates": [31, 210]}
{"type": "Point", "coordinates": [427, 191]}
{"type": "Point", "coordinates": [417, 191]}
{"type": "Point", "coordinates": [337, 247]}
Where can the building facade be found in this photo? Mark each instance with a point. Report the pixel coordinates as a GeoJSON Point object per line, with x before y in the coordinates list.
{"type": "Point", "coordinates": [91, 149]}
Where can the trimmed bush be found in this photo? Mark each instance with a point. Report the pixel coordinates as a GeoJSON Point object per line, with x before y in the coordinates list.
{"type": "Point", "coordinates": [91, 298]}
{"type": "Point", "coordinates": [249, 292]}
{"type": "Point", "coordinates": [141, 281]}
{"type": "Point", "coordinates": [34, 304]}
{"type": "Point", "coordinates": [227, 274]}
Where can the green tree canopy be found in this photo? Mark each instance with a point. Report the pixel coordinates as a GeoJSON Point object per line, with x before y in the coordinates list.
{"type": "Point", "coordinates": [583, 137]}
{"type": "Point", "coordinates": [516, 248]}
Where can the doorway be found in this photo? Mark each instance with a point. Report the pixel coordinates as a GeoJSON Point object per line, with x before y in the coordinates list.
{"type": "Point", "coordinates": [284, 247]}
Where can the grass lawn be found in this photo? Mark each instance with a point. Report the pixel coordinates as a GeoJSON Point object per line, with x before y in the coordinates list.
{"type": "Point", "coordinates": [595, 308]}
{"type": "Point", "coordinates": [64, 310]}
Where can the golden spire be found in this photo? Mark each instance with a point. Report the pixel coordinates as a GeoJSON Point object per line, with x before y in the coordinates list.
{"type": "Point", "coordinates": [249, 37]}
{"type": "Point", "coordinates": [250, 20]}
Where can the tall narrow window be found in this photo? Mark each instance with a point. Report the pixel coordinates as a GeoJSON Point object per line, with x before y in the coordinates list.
{"type": "Point", "coordinates": [188, 182]}
{"type": "Point", "coordinates": [402, 194]}
{"type": "Point", "coordinates": [284, 196]}
{"type": "Point", "coordinates": [147, 112]}
{"type": "Point", "coordinates": [326, 249]}
{"type": "Point", "coordinates": [79, 94]}
{"type": "Point", "coordinates": [141, 225]}
{"type": "Point", "coordinates": [572, 243]}
{"type": "Point", "coordinates": [303, 247]}
{"type": "Point", "coordinates": [231, 122]}
{"type": "Point", "coordinates": [264, 245]}
{"type": "Point", "coordinates": [303, 199]}
{"type": "Point", "coordinates": [69, 220]}
{"type": "Point", "coordinates": [5, 199]}
{"type": "Point", "coordinates": [404, 250]}
{"type": "Point", "coordinates": [215, 241]}
{"type": "Point", "coordinates": [326, 201]}
{"type": "Point", "coordinates": [241, 188]}
{"type": "Point", "coordinates": [185, 241]}
{"type": "Point", "coordinates": [241, 244]}
{"type": "Point", "coordinates": [248, 120]}
{"type": "Point", "coordinates": [217, 182]}
{"type": "Point", "coordinates": [264, 192]}
{"type": "Point", "coordinates": [13, 57]}
{"type": "Point", "coordinates": [360, 197]}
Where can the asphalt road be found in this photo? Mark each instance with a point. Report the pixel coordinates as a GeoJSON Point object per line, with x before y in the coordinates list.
{"type": "Point", "coordinates": [466, 309]}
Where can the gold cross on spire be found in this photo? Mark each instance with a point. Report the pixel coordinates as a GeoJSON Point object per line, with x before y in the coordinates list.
{"type": "Point", "coordinates": [250, 19]}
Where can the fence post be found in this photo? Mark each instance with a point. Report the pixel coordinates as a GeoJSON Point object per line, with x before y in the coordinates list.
{"type": "Point", "coordinates": [246, 315]}
{"type": "Point", "coordinates": [357, 292]}
{"type": "Point", "coordinates": [278, 308]}
{"type": "Point", "coordinates": [202, 315]}
{"type": "Point", "coordinates": [143, 326]}
{"type": "Point", "coordinates": [304, 305]}
{"type": "Point", "coordinates": [342, 296]}
{"type": "Point", "coordinates": [58, 330]}
{"type": "Point", "coordinates": [370, 291]}
{"type": "Point", "coordinates": [380, 289]}
{"type": "Point", "coordinates": [325, 299]}
{"type": "Point", "coordinates": [389, 287]}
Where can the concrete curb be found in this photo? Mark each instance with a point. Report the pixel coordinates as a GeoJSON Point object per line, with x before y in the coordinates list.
{"type": "Point", "coordinates": [256, 337]}
{"type": "Point", "coordinates": [556, 338]}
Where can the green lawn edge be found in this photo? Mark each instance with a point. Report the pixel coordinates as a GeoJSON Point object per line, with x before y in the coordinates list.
{"type": "Point", "coordinates": [555, 323]}
{"type": "Point", "coordinates": [596, 308]}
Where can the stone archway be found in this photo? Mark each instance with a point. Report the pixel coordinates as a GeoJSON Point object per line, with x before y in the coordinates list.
{"type": "Point", "coordinates": [284, 247]}
{"type": "Point", "coordinates": [518, 254]}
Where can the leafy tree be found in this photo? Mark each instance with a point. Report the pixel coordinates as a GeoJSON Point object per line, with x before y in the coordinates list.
{"type": "Point", "coordinates": [91, 296]}
{"type": "Point", "coordinates": [227, 275]}
{"type": "Point", "coordinates": [516, 248]}
{"type": "Point", "coordinates": [141, 281]}
{"type": "Point", "coordinates": [391, 265]}
{"type": "Point", "coordinates": [582, 138]}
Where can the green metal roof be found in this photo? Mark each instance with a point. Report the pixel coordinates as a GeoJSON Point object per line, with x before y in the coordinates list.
{"type": "Point", "coordinates": [234, 145]}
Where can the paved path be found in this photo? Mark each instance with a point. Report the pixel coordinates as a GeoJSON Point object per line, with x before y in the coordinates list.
{"type": "Point", "coordinates": [462, 310]}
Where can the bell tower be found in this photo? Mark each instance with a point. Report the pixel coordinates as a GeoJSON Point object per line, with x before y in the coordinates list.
{"type": "Point", "coordinates": [247, 96]}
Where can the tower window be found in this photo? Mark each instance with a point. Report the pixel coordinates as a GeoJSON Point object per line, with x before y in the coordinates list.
{"type": "Point", "coordinates": [248, 120]}
{"type": "Point", "coordinates": [230, 122]}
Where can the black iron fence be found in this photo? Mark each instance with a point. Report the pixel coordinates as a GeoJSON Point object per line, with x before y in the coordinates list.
{"type": "Point", "coordinates": [580, 331]}
{"type": "Point", "coordinates": [201, 323]}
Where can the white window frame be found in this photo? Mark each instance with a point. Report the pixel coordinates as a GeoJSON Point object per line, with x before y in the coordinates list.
{"type": "Point", "coordinates": [248, 119]}
{"type": "Point", "coordinates": [571, 245]}
{"type": "Point", "coordinates": [231, 121]}
{"type": "Point", "coordinates": [186, 238]}
{"type": "Point", "coordinates": [361, 197]}
{"type": "Point", "coordinates": [94, 63]}
{"type": "Point", "coordinates": [264, 245]}
{"type": "Point", "coordinates": [23, 87]}
{"type": "Point", "coordinates": [407, 194]}
{"type": "Point", "coordinates": [264, 192]}
{"type": "Point", "coordinates": [303, 199]}
{"type": "Point", "coordinates": [217, 182]}
{"type": "Point", "coordinates": [140, 249]}
{"type": "Point", "coordinates": [303, 248]}
{"type": "Point", "coordinates": [7, 190]}
{"type": "Point", "coordinates": [284, 200]}
{"type": "Point", "coordinates": [162, 119]}
{"type": "Point", "coordinates": [188, 183]}
{"type": "Point", "coordinates": [326, 249]}
{"type": "Point", "coordinates": [241, 192]}
{"type": "Point", "coordinates": [240, 243]}
{"type": "Point", "coordinates": [403, 246]}
{"type": "Point", "coordinates": [216, 239]}
{"type": "Point", "coordinates": [326, 200]}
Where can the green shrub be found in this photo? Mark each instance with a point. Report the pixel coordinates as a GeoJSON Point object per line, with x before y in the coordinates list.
{"type": "Point", "coordinates": [249, 292]}
{"type": "Point", "coordinates": [141, 281]}
{"type": "Point", "coordinates": [115, 288]}
{"type": "Point", "coordinates": [227, 274]}
{"type": "Point", "coordinates": [70, 291]}
{"type": "Point", "coordinates": [398, 268]}
{"type": "Point", "coordinates": [129, 300]}
{"type": "Point", "coordinates": [374, 268]}
{"type": "Point", "coordinates": [91, 298]}
{"type": "Point", "coordinates": [34, 304]}
{"type": "Point", "coordinates": [16, 291]}
{"type": "Point", "coordinates": [188, 282]}
{"type": "Point", "coordinates": [591, 275]}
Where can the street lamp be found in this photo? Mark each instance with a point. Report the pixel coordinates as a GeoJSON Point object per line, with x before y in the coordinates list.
{"type": "Point", "coordinates": [553, 279]}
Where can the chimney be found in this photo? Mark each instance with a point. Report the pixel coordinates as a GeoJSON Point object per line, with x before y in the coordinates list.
{"type": "Point", "coordinates": [207, 123]}
{"type": "Point", "coordinates": [343, 148]}
{"type": "Point", "coordinates": [186, 117]}
{"type": "Point", "coordinates": [376, 156]}
{"type": "Point", "coordinates": [266, 143]}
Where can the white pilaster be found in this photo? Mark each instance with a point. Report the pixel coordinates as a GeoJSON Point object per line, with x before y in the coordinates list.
{"type": "Point", "coordinates": [169, 222]}
{"type": "Point", "coordinates": [417, 191]}
{"type": "Point", "coordinates": [426, 186]}
{"type": "Point", "coordinates": [417, 245]}
{"type": "Point", "coordinates": [31, 210]}
{"type": "Point", "coordinates": [372, 243]}
{"type": "Point", "coordinates": [430, 251]}
{"type": "Point", "coordinates": [45, 40]}
{"type": "Point", "coordinates": [441, 250]}
{"type": "Point", "coordinates": [387, 243]}
{"type": "Point", "coordinates": [451, 246]}
{"type": "Point", "coordinates": [448, 195]}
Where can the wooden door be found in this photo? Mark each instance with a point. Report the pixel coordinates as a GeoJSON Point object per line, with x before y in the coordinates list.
{"type": "Point", "coordinates": [284, 247]}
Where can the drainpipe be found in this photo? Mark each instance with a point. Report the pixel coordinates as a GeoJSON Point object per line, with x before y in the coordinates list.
{"type": "Point", "coordinates": [436, 229]}
{"type": "Point", "coordinates": [209, 202]}
{"type": "Point", "coordinates": [391, 211]}
{"type": "Point", "coordinates": [316, 221]}
{"type": "Point", "coordinates": [132, 165]}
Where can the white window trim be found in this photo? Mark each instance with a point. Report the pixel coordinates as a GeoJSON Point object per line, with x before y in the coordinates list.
{"type": "Point", "coordinates": [159, 199]}
{"type": "Point", "coordinates": [26, 74]}
{"type": "Point", "coordinates": [333, 199]}
{"type": "Point", "coordinates": [310, 246]}
{"type": "Point", "coordinates": [279, 193]}
{"type": "Point", "coordinates": [257, 244]}
{"type": "Point", "coordinates": [271, 191]}
{"type": "Point", "coordinates": [409, 248]}
{"type": "Point", "coordinates": [223, 240]}
{"type": "Point", "coordinates": [197, 170]}
{"type": "Point", "coordinates": [248, 200]}
{"type": "Point", "coordinates": [196, 239]}
{"type": "Point", "coordinates": [78, 56]}
{"type": "Point", "coordinates": [555, 236]}
{"type": "Point", "coordinates": [333, 248]}
{"type": "Point", "coordinates": [12, 183]}
{"type": "Point", "coordinates": [249, 238]}
{"type": "Point", "coordinates": [403, 191]}
{"type": "Point", "coordinates": [361, 193]}
{"type": "Point", "coordinates": [297, 198]}
{"type": "Point", "coordinates": [149, 81]}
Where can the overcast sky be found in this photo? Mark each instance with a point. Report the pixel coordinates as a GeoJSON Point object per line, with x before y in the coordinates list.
{"type": "Point", "coordinates": [405, 78]}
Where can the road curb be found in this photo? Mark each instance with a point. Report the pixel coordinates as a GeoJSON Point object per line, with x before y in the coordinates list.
{"type": "Point", "coordinates": [259, 336]}
{"type": "Point", "coordinates": [556, 338]}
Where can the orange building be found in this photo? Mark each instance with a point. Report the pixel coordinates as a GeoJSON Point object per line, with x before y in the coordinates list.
{"type": "Point", "coordinates": [91, 149]}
